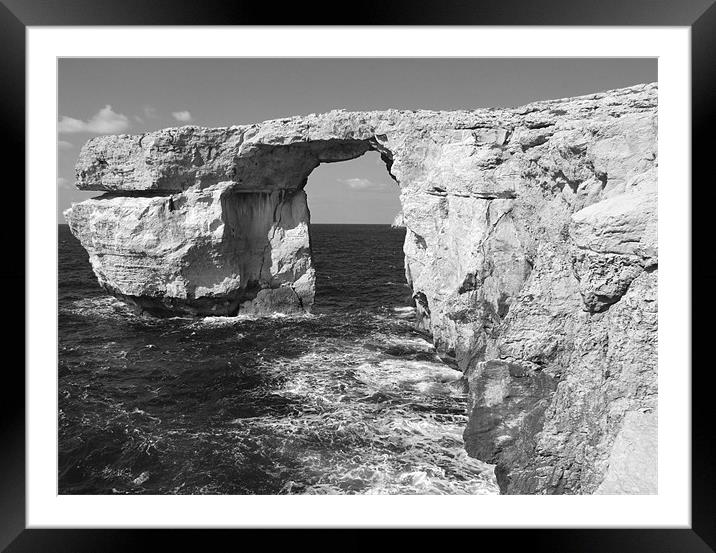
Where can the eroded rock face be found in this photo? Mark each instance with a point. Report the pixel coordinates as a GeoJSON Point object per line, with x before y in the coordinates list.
{"type": "Point", "coordinates": [207, 251]}
{"type": "Point", "coordinates": [530, 248]}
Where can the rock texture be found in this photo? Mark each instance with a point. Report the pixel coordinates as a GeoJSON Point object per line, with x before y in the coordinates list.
{"type": "Point", "coordinates": [530, 248]}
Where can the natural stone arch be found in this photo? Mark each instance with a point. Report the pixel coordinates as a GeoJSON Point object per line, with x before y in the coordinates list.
{"type": "Point", "coordinates": [234, 238]}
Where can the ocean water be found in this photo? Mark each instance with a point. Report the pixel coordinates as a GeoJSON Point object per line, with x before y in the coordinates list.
{"type": "Point", "coordinates": [347, 400]}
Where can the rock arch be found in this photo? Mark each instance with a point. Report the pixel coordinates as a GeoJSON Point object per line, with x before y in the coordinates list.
{"type": "Point", "coordinates": [530, 248]}
{"type": "Point", "coordinates": [221, 228]}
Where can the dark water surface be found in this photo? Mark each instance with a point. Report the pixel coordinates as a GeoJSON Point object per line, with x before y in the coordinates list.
{"type": "Point", "coordinates": [348, 400]}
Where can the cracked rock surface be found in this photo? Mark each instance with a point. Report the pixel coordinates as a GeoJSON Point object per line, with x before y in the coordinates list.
{"type": "Point", "coordinates": [530, 247]}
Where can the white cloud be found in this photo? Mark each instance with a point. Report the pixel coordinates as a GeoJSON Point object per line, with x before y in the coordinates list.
{"type": "Point", "coordinates": [362, 184]}
{"type": "Point", "coordinates": [106, 121]}
{"type": "Point", "coordinates": [359, 183]}
{"type": "Point", "coordinates": [183, 116]}
{"type": "Point", "coordinates": [150, 112]}
{"type": "Point", "coordinates": [63, 183]}
{"type": "Point", "coordinates": [64, 145]}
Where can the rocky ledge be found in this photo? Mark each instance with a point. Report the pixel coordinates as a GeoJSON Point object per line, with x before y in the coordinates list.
{"type": "Point", "coordinates": [530, 248]}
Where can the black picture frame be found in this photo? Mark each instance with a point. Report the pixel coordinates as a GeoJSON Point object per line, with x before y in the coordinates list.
{"type": "Point", "coordinates": [16, 15]}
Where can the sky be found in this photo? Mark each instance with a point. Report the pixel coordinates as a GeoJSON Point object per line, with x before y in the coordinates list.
{"type": "Point", "coordinates": [135, 95]}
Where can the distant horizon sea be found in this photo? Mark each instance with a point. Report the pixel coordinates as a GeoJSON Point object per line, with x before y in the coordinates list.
{"type": "Point", "coordinates": [349, 399]}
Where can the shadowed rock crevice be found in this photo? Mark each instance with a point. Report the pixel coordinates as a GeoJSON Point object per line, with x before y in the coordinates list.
{"type": "Point", "coordinates": [508, 413]}
{"type": "Point", "coordinates": [530, 248]}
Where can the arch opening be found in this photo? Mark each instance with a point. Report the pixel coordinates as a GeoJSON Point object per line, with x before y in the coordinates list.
{"type": "Point", "coordinates": [356, 235]}
{"type": "Point", "coordinates": [271, 227]}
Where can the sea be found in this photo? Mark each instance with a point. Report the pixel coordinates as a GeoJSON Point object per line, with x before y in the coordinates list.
{"type": "Point", "coordinates": [349, 399]}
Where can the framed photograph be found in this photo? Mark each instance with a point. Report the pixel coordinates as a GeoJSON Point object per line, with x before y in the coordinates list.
{"type": "Point", "coordinates": [397, 273]}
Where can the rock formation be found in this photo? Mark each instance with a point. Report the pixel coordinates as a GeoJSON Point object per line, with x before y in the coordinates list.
{"type": "Point", "coordinates": [530, 248]}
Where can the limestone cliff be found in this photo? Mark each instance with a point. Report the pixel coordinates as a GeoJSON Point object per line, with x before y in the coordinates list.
{"type": "Point", "coordinates": [530, 248]}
